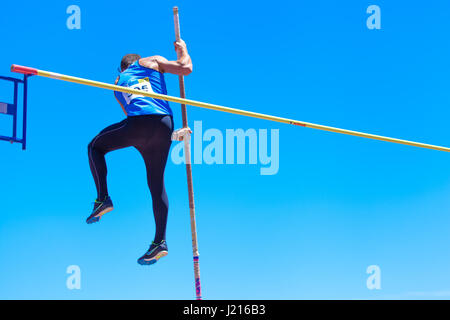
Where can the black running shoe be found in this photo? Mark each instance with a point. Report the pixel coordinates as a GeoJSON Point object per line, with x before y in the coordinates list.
{"type": "Point", "coordinates": [100, 208]}
{"type": "Point", "coordinates": [154, 253]}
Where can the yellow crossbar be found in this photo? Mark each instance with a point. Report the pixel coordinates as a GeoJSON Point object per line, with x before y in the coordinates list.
{"type": "Point", "coordinates": [92, 83]}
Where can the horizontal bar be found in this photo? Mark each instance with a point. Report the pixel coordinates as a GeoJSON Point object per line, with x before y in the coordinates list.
{"type": "Point", "coordinates": [194, 103]}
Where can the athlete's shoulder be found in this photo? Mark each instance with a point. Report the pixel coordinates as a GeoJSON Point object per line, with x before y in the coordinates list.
{"type": "Point", "coordinates": [152, 62]}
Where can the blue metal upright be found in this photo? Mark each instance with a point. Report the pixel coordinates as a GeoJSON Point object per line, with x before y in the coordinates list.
{"type": "Point", "coordinates": [12, 110]}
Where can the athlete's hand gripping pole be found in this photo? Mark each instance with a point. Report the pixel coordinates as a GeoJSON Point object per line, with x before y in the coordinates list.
{"type": "Point", "coordinates": [184, 134]}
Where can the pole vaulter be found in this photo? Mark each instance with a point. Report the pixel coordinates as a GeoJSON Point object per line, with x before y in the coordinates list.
{"type": "Point", "coordinates": [97, 84]}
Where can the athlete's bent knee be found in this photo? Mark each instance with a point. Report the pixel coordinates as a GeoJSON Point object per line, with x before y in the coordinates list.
{"type": "Point", "coordinates": [90, 146]}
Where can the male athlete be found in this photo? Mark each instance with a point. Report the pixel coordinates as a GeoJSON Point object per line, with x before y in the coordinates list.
{"type": "Point", "coordinates": [148, 127]}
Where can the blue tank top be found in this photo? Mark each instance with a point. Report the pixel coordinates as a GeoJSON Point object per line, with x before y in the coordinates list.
{"type": "Point", "coordinates": [142, 78]}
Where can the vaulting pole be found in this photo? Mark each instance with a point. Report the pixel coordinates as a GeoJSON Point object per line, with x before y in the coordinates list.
{"type": "Point", "coordinates": [32, 71]}
{"type": "Point", "coordinates": [187, 156]}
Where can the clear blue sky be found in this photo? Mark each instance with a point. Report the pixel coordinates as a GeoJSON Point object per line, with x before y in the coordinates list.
{"type": "Point", "coordinates": [337, 204]}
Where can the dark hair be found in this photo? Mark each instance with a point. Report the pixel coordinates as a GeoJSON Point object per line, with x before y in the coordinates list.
{"type": "Point", "coordinates": [127, 60]}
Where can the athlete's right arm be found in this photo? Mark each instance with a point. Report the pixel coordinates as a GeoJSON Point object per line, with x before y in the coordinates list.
{"type": "Point", "coordinates": [182, 66]}
{"type": "Point", "coordinates": [123, 108]}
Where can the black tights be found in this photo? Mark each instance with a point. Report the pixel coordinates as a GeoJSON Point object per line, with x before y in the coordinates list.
{"type": "Point", "coordinates": [151, 136]}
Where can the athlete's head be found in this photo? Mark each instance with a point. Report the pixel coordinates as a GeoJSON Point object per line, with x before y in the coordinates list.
{"type": "Point", "coordinates": [128, 60]}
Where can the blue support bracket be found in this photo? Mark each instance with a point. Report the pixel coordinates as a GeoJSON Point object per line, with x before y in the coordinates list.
{"type": "Point", "coordinates": [11, 109]}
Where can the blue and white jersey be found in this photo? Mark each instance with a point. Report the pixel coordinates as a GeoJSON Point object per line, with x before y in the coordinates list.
{"type": "Point", "coordinates": [145, 79]}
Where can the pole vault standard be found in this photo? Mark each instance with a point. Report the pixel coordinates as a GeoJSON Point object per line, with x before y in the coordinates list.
{"type": "Point", "coordinates": [47, 74]}
{"type": "Point", "coordinates": [187, 156]}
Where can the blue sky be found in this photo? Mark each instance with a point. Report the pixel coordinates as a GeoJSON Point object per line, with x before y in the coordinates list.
{"type": "Point", "coordinates": [337, 205]}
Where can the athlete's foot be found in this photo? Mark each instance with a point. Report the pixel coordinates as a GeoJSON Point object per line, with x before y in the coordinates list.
{"type": "Point", "coordinates": [154, 253]}
{"type": "Point", "coordinates": [100, 208]}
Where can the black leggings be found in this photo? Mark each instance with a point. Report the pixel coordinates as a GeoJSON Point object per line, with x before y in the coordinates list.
{"type": "Point", "coordinates": [151, 136]}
